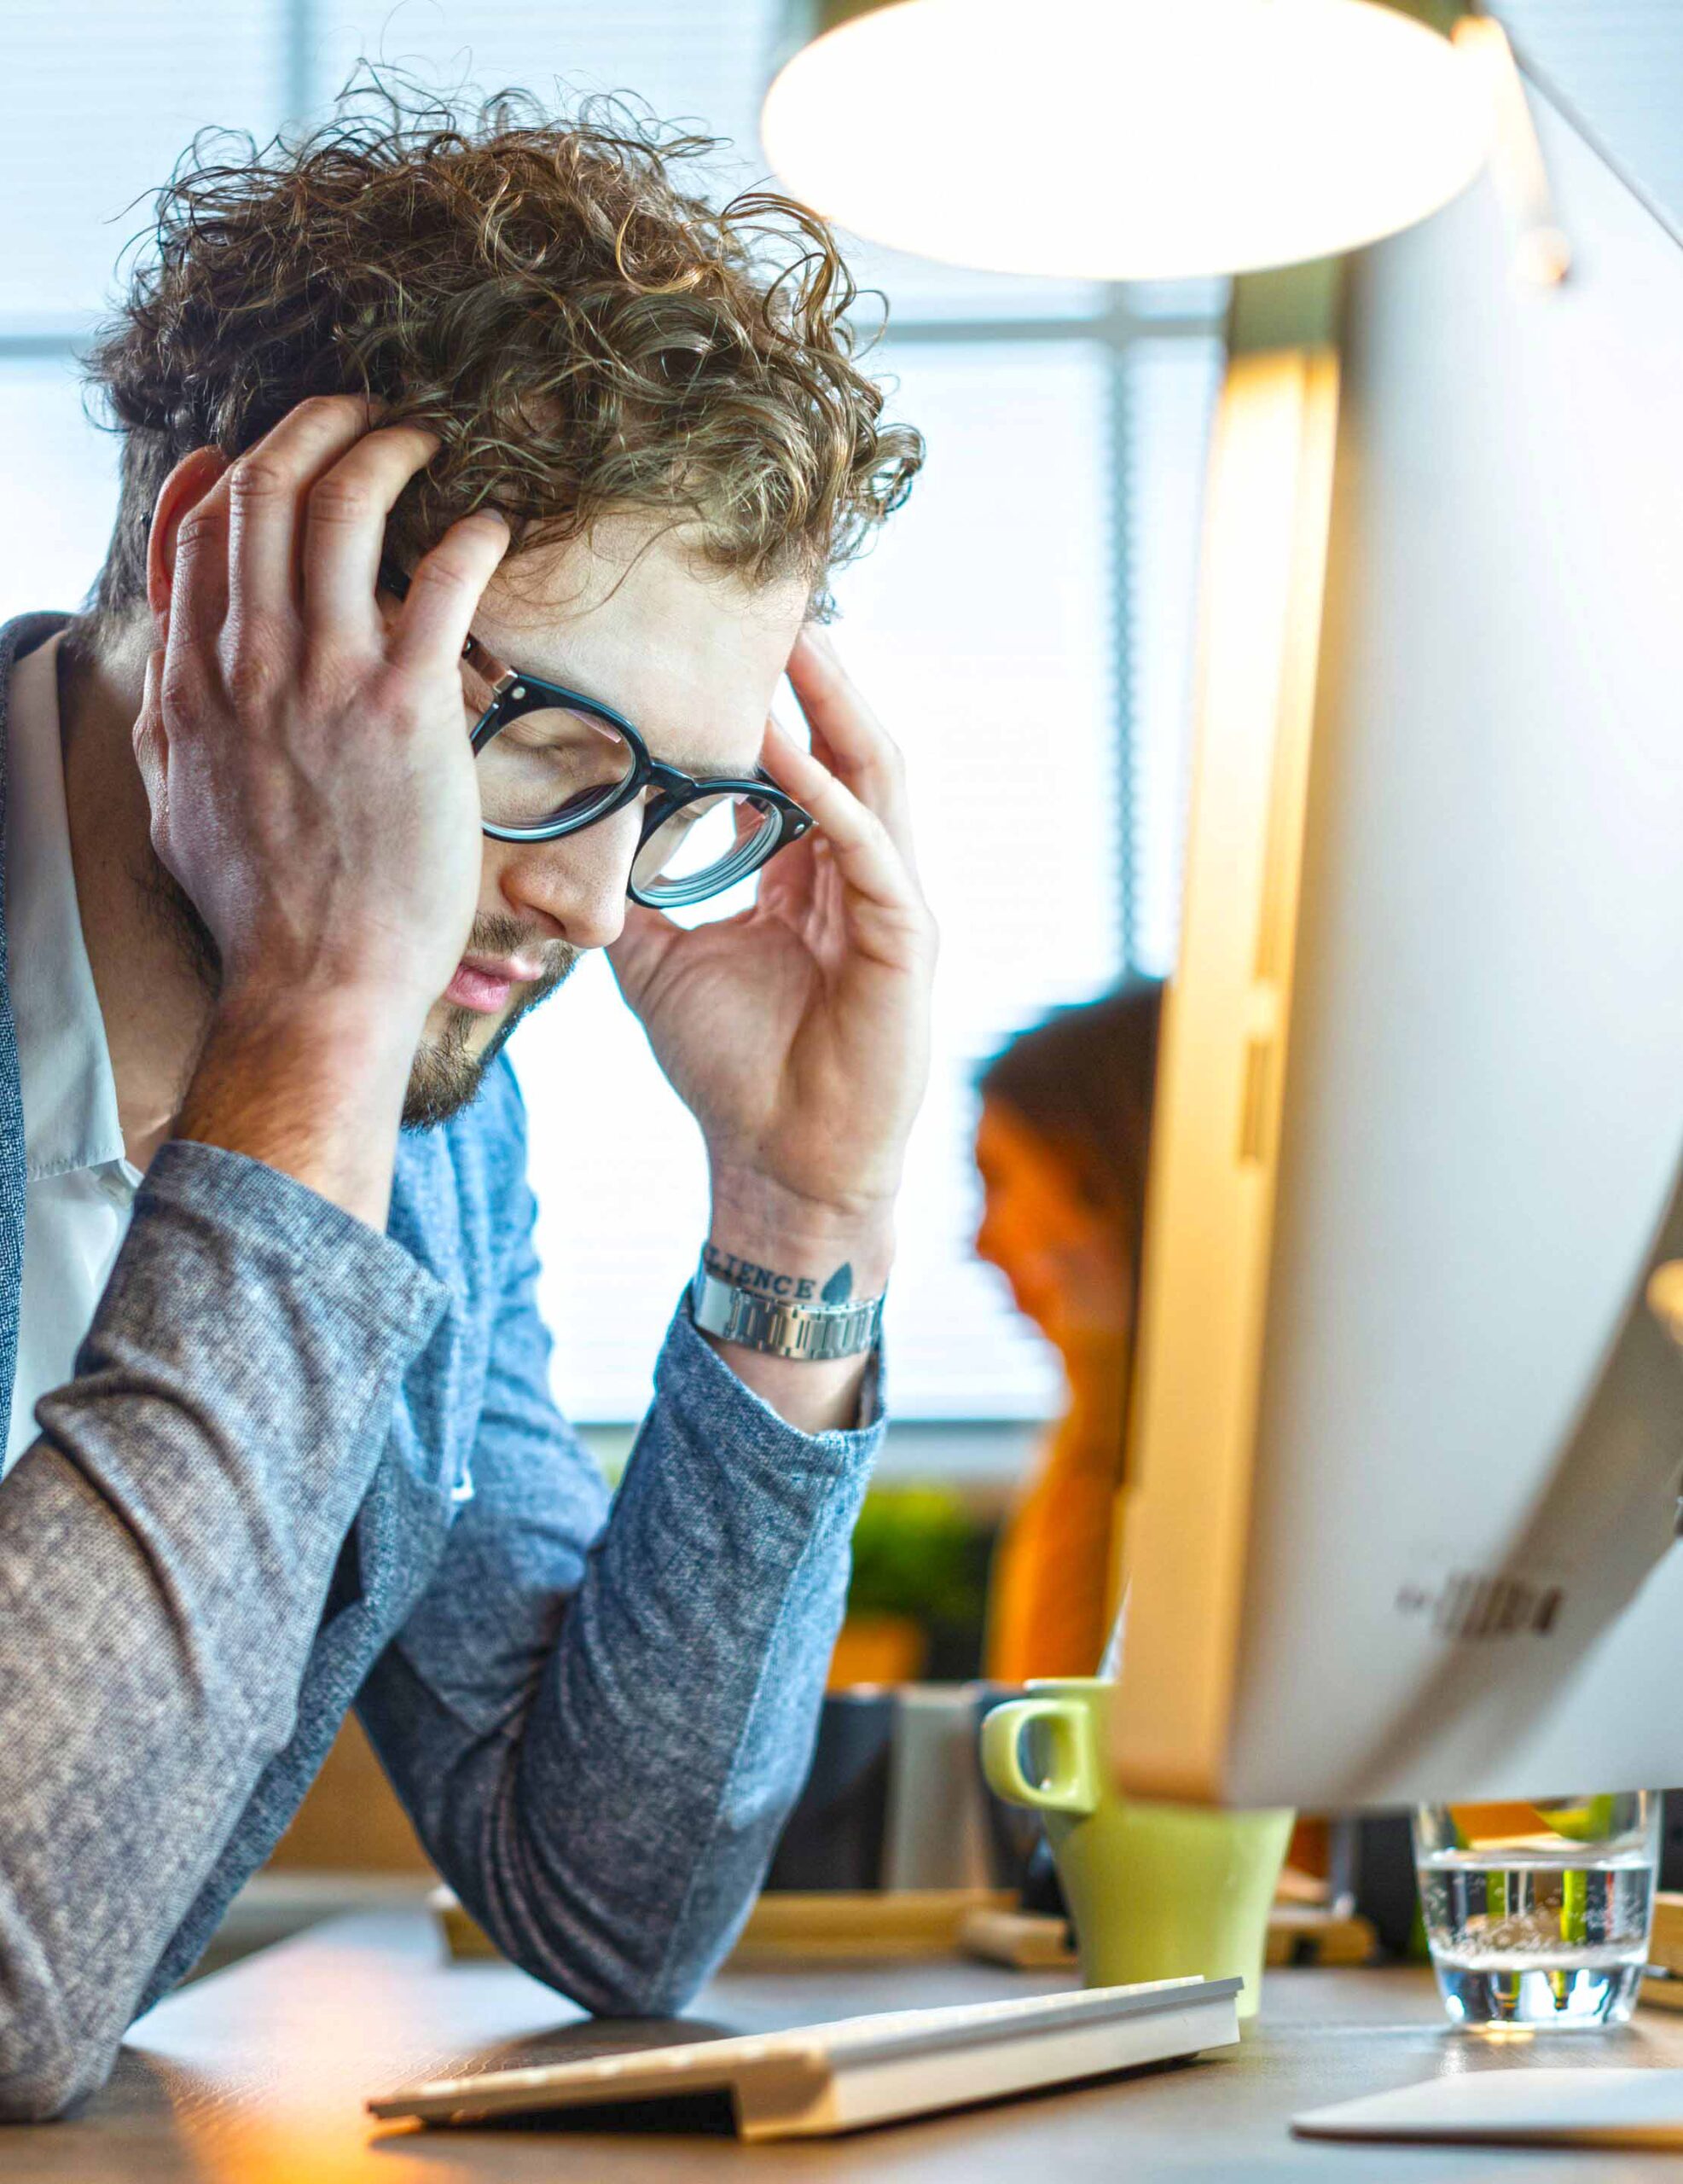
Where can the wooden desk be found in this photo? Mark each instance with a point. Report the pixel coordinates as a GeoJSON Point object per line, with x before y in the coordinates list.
{"type": "Point", "coordinates": [258, 2074]}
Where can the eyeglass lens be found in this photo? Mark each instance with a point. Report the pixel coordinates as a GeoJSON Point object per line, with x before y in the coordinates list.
{"type": "Point", "coordinates": [557, 764]}
{"type": "Point", "coordinates": [552, 764]}
{"type": "Point", "coordinates": [704, 847]}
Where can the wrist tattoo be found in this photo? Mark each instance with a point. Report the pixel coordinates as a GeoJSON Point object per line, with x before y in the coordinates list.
{"type": "Point", "coordinates": [765, 1281]}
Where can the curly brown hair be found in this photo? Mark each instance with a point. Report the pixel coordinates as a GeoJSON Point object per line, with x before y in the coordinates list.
{"type": "Point", "coordinates": [582, 333]}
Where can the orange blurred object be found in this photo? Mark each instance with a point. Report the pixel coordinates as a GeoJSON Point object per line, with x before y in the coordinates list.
{"type": "Point", "coordinates": [1062, 1148]}
{"type": "Point", "coordinates": [878, 1649]}
{"type": "Point", "coordinates": [1052, 1597]}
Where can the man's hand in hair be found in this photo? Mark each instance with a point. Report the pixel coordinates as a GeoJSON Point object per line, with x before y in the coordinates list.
{"type": "Point", "coordinates": [311, 786]}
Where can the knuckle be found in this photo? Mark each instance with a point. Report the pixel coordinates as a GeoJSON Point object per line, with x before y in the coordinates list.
{"type": "Point", "coordinates": [179, 687]}
{"type": "Point", "coordinates": [340, 500]}
{"type": "Point", "coordinates": [257, 477]}
{"type": "Point", "coordinates": [253, 675]}
{"type": "Point", "coordinates": [442, 571]}
{"type": "Point", "coordinates": [325, 412]}
{"type": "Point", "coordinates": [199, 528]}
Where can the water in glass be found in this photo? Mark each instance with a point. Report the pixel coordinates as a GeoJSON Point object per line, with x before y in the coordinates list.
{"type": "Point", "coordinates": [1539, 1914]}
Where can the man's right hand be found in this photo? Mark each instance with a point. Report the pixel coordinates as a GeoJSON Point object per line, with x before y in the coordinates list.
{"type": "Point", "coordinates": [312, 787]}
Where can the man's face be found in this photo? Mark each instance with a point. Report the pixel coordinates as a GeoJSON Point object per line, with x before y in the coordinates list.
{"type": "Point", "coordinates": [691, 657]}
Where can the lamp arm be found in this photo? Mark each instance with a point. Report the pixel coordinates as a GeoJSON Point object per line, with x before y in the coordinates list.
{"type": "Point", "coordinates": [1542, 252]}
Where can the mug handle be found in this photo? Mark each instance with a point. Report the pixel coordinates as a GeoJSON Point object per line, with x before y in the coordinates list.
{"type": "Point", "coordinates": [1073, 1788]}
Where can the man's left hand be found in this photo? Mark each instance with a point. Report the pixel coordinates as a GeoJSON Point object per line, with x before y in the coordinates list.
{"type": "Point", "coordinates": [797, 1031]}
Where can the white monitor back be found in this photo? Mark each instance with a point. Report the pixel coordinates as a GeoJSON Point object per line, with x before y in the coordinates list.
{"type": "Point", "coordinates": [1453, 1569]}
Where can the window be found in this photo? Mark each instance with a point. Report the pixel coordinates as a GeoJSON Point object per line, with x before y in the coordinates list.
{"type": "Point", "coordinates": [1023, 624]}
{"type": "Point", "coordinates": [983, 623]}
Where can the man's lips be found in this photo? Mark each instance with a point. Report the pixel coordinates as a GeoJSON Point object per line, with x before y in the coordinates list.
{"type": "Point", "coordinates": [484, 982]}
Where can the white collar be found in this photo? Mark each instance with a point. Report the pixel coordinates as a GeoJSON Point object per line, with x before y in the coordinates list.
{"type": "Point", "coordinates": [69, 1093]}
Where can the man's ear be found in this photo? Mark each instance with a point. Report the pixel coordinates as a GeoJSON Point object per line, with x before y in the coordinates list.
{"type": "Point", "coordinates": [186, 485]}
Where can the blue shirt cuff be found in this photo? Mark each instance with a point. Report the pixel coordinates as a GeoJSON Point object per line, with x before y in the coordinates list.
{"type": "Point", "coordinates": [710, 1398]}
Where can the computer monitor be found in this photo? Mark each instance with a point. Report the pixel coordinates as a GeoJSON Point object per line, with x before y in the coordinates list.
{"type": "Point", "coordinates": [1407, 1428]}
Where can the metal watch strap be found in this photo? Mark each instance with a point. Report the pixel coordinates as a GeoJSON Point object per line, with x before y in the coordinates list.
{"type": "Point", "coordinates": [780, 1328]}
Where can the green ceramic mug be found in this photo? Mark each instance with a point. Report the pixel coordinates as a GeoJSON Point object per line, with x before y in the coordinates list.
{"type": "Point", "coordinates": [1155, 1891]}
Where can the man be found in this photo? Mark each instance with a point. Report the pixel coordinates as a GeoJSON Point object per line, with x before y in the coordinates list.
{"type": "Point", "coordinates": [495, 432]}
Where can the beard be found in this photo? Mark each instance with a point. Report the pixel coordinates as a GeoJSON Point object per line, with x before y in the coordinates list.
{"type": "Point", "coordinates": [448, 1068]}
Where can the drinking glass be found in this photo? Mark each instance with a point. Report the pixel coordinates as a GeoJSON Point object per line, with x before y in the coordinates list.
{"type": "Point", "coordinates": [1538, 1914]}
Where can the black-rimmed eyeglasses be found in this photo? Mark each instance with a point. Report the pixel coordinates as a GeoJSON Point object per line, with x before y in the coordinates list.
{"type": "Point", "coordinates": [552, 760]}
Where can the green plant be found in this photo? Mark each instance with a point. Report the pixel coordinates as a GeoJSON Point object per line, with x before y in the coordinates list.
{"type": "Point", "coordinates": [918, 1551]}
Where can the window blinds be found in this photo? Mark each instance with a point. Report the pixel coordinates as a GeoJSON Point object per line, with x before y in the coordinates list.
{"type": "Point", "coordinates": [1024, 625]}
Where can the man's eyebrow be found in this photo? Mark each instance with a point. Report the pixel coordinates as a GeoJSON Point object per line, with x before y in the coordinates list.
{"type": "Point", "coordinates": [698, 769]}
{"type": "Point", "coordinates": [709, 772]}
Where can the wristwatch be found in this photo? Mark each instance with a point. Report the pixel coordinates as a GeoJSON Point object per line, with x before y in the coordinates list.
{"type": "Point", "coordinates": [780, 1329]}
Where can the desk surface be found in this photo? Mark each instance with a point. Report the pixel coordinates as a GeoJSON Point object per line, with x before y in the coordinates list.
{"type": "Point", "coordinates": [258, 2074]}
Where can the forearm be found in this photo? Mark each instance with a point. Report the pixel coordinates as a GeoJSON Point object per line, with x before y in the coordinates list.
{"type": "Point", "coordinates": [164, 1549]}
{"type": "Point", "coordinates": [605, 1788]}
{"type": "Point", "coordinates": [312, 1086]}
{"type": "Point", "coordinates": [765, 1239]}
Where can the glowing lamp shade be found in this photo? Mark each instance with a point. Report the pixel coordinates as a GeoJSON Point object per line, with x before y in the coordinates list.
{"type": "Point", "coordinates": [1125, 139]}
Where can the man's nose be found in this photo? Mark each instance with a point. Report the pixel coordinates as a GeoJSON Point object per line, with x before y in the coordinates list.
{"type": "Point", "coordinates": [577, 883]}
